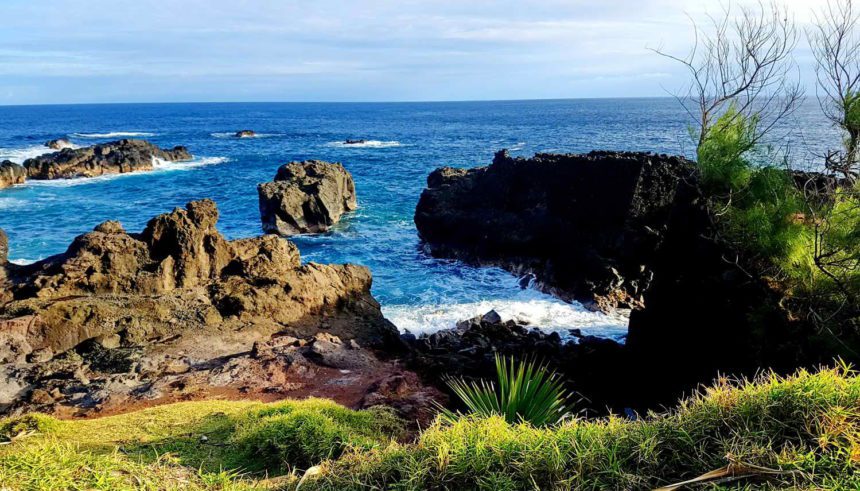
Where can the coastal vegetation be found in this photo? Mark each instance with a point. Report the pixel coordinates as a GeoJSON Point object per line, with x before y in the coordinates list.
{"type": "Point", "coordinates": [799, 228]}
{"type": "Point", "coordinates": [526, 391]}
{"type": "Point", "coordinates": [799, 432]}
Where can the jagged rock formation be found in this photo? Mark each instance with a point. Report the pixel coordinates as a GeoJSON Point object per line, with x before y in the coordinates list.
{"type": "Point", "coordinates": [586, 226]}
{"type": "Point", "coordinates": [59, 144]}
{"type": "Point", "coordinates": [108, 158]}
{"type": "Point", "coordinates": [11, 174]}
{"type": "Point", "coordinates": [179, 287]}
{"type": "Point", "coordinates": [625, 228]}
{"type": "Point", "coordinates": [306, 197]}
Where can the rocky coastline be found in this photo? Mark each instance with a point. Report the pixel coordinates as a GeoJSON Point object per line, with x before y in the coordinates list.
{"type": "Point", "coordinates": [178, 311]}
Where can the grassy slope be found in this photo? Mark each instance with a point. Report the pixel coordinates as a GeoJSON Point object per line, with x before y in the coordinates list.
{"type": "Point", "coordinates": [807, 426]}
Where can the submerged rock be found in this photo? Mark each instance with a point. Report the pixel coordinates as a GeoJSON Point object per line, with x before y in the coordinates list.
{"type": "Point", "coordinates": [11, 174]}
{"type": "Point", "coordinates": [59, 144]}
{"type": "Point", "coordinates": [116, 157]}
{"type": "Point", "coordinates": [306, 197]}
{"type": "Point", "coordinates": [179, 287]}
{"type": "Point", "coordinates": [355, 142]}
{"type": "Point", "coordinates": [587, 226]}
{"type": "Point", "coordinates": [245, 134]}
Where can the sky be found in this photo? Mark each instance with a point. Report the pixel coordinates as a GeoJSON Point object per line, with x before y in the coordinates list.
{"type": "Point", "coordinates": [96, 51]}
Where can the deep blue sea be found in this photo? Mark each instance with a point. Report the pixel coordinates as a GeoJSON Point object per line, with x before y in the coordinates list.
{"type": "Point", "coordinates": [406, 141]}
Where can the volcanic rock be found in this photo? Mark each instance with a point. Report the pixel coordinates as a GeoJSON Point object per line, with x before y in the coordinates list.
{"type": "Point", "coordinates": [11, 174]}
{"type": "Point", "coordinates": [355, 142]}
{"type": "Point", "coordinates": [178, 292]}
{"type": "Point", "coordinates": [245, 134]}
{"type": "Point", "coordinates": [116, 157]}
{"type": "Point", "coordinates": [306, 197]}
{"type": "Point", "coordinates": [586, 226]}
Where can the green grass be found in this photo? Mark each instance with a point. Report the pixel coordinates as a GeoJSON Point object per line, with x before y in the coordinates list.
{"type": "Point", "coordinates": [195, 445]}
{"type": "Point", "coordinates": [806, 426]}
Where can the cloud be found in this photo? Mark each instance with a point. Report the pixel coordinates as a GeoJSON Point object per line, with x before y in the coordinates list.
{"type": "Point", "coordinates": [338, 50]}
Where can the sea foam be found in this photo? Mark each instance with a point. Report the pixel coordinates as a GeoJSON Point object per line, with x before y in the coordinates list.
{"type": "Point", "coordinates": [530, 308]}
{"type": "Point", "coordinates": [113, 134]}
{"type": "Point", "coordinates": [366, 144]}
{"type": "Point", "coordinates": [19, 155]}
{"type": "Point", "coordinates": [159, 166]}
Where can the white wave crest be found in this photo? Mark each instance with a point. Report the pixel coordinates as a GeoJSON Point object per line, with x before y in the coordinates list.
{"type": "Point", "coordinates": [232, 135]}
{"type": "Point", "coordinates": [112, 134]}
{"type": "Point", "coordinates": [366, 144]}
{"type": "Point", "coordinates": [11, 203]}
{"type": "Point", "coordinates": [19, 155]}
{"type": "Point", "coordinates": [158, 165]}
{"type": "Point", "coordinates": [24, 261]}
{"type": "Point", "coordinates": [542, 312]}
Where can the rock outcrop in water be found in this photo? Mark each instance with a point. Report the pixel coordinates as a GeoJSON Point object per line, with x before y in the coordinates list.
{"type": "Point", "coordinates": [586, 226]}
{"type": "Point", "coordinates": [116, 157]}
{"type": "Point", "coordinates": [59, 144]}
{"type": "Point", "coordinates": [128, 309]}
{"type": "Point", "coordinates": [245, 134]}
{"type": "Point", "coordinates": [306, 197]}
{"type": "Point", "coordinates": [11, 174]}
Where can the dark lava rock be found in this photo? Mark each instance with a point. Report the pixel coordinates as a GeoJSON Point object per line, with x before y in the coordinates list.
{"type": "Point", "coordinates": [621, 228]}
{"type": "Point", "coordinates": [11, 174]}
{"type": "Point", "coordinates": [587, 226]}
{"type": "Point", "coordinates": [306, 197]}
{"type": "Point", "coordinates": [355, 142]}
{"type": "Point", "coordinates": [245, 134]}
{"type": "Point", "coordinates": [108, 158]}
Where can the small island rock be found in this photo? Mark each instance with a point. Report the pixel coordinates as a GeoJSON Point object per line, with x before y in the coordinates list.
{"type": "Point", "coordinates": [245, 134]}
{"type": "Point", "coordinates": [116, 157]}
{"type": "Point", "coordinates": [306, 197]}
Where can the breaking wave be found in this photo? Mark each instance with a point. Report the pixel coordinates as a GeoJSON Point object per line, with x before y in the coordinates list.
{"type": "Point", "coordinates": [113, 134]}
{"type": "Point", "coordinates": [19, 155]}
{"type": "Point", "coordinates": [159, 166]}
{"type": "Point", "coordinates": [530, 307]}
{"type": "Point", "coordinates": [366, 144]}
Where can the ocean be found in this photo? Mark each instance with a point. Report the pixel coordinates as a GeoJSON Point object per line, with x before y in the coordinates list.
{"type": "Point", "coordinates": [405, 142]}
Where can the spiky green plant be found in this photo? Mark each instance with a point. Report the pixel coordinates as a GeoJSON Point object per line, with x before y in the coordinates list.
{"type": "Point", "coordinates": [527, 391]}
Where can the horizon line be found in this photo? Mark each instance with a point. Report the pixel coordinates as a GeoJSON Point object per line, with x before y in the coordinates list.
{"type": "Point", "coordinates": [434, 101]}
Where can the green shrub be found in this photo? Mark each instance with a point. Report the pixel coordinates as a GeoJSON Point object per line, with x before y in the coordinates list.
{"type": "Point", "coordinates": [527, 391]}
{"type": "Point", "coordinates": [299, 434]}
{"type": "Point", "coordinates": [805, 427]}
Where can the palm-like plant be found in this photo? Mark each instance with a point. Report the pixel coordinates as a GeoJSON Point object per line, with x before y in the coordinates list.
{"type": "Point", "coordinates": [527, 391]}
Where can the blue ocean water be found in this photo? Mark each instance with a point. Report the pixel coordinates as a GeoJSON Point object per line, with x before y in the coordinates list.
{"type": "Point", "coordinates": [406, 141]}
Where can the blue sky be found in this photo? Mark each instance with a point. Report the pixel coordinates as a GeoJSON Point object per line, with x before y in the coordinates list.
{"type": "Point", "coordinates": [74, 51]}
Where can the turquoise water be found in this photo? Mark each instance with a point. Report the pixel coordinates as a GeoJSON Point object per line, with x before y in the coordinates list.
{"type": "Point", "coordinates": [406, 142]}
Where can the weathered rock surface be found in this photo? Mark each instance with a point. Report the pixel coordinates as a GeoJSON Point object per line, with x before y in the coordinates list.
{"type": "Point", "coordinates": [306, 197]}
{"type": "Point", "coordinates": [245, 134]}
{"type": "Point", "coordinates": [59, 144]}
{"type": "Point", "coordinates": [586, 226]}
{"type": "Point", "coordinates": [177, 295]}
{"type": "Point", "coordinates": [116, 157]}
{"type": "Point", "coordinates": [11, 174]}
